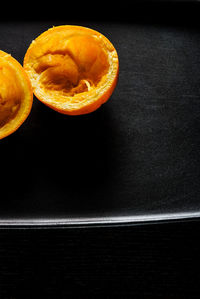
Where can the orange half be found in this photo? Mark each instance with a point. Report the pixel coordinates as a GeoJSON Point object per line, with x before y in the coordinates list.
{"type": "Point", "coordinates": [72, 69]}
{"type": "Point", "coordinates": [16, 95]}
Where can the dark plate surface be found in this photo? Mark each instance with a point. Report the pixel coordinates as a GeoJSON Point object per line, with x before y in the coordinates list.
{"type": "Point", "coordinates": [136, 158]}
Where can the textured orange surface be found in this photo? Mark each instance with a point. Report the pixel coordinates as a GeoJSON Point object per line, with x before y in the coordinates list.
{"type": "Point", "coordinates": [16, 95]}
{"type": "Point", "coordinates": [72, 69]}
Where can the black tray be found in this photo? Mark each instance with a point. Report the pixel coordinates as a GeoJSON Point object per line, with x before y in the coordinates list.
{"type": "Point", "coordinates": [134, 160]}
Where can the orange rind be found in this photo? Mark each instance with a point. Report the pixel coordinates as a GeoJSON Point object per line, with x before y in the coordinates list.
{"type": "Point", "coordinates": [16, 95]}
{"type": "Point", "coordinates": [72, 69]}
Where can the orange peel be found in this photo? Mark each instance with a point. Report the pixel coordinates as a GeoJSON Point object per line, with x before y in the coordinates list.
{"type": "Point", "coordinates": [72, 69]}
{"type": "Point", "coordinates": [16, 95]}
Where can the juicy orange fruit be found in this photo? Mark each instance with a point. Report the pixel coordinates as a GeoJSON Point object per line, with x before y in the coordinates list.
{"type": "Point", "coordinates": [16, 95]}
{"type": "Point", "coordinates": [72, 69]}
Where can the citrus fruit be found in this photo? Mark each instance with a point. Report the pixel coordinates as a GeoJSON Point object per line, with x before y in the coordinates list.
{"type": "Point", "coordinates": [16, 95]}
{"type": "Point", "coordinates": [72, 69]}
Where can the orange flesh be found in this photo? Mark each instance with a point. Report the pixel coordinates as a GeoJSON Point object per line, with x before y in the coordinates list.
{"type": "Point", "coordinates": [16, 95]}
{"type": "Point", "coordinates": [68, 67]}
{"type": "Point", "coordinates": [10, 94]}
{"type": "Point", "coordinates": [76, 70]}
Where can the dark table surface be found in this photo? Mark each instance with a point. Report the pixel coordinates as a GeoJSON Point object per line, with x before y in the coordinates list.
{"type": "Point", "coordinates": [158, 260]}
{"type": "Point", "coordinates": [138, 155]}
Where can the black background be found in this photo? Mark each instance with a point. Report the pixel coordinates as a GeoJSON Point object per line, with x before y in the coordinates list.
{"type": "Point", "coordinates": [150, 261]}
{"type": "Point", "coordinates": [147, 261]}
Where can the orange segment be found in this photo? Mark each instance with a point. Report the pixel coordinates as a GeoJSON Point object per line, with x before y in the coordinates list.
{"type": "Point", "coordinates": [72, 69]}
{"type": "Point", "coordinates": [16, 95]}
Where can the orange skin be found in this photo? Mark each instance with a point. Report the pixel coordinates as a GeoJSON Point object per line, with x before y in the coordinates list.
{"type": "Point", "coordinates": [16, 96]}
{"type": "Point", "coordinates": [72, 69]}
